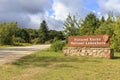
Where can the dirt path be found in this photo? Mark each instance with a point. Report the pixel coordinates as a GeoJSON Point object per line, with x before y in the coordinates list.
{"type": "Point", "coordinates": [8, 55]}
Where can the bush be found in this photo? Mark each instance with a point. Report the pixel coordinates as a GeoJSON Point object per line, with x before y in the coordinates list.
{"type": "Point", "coordinates": [35, 41]}
{"type": "Point", "coordinates": [19, 40]}
{"type": "Point", "coordinates": [57, 45]}
{"type": "Point", "coordinates": [115, 43]}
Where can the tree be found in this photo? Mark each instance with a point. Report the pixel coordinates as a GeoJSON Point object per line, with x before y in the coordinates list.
{"type": "Point", "coordinates": [24, 35]}
{"type": "Point", "coordinates": [112, 28]}
{"type": "Point", "coordinates": [53, 34]}
{"type": "Point", "coordinates": [106, 28]}
{"type": "Point", "coordinates": [89, 25]}
{"type": "Point", "coordinates": [43, 32]}
{"type": "Point", "coordinates": [71, 26]}
{"type": "Point", "coordinates": [115, 39]}
{"type": "Point", "coordinates": [110, 18]}
{"type": "Point", "coordinates": [7, 32]}
{"type": "Point", "coordinates": [102, 19]}
{"type": "Point", "coordinates": [33, 33]}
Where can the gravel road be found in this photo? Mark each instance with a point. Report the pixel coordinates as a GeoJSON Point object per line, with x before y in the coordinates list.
{"type": "Point", "coordinates": [8, 55]}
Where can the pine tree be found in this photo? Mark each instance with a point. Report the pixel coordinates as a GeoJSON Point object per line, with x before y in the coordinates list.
{"type": "Point", "coordinates": [43, 32]}
{"type": "Point", "coordinates": [90, 24]}
{"type": "Point", "coordinates": [71, 26]}
{"type": "Point", "coordinates": [102, 19]}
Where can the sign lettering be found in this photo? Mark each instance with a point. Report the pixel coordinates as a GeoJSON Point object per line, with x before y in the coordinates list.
{"type": "Point", "coordinates": [89, 41]}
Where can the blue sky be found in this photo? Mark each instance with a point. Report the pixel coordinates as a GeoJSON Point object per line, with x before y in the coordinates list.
{"type": "Point", "coordinates": [31, 13]}
{"type": "Point", "coordinates": [93, 5]}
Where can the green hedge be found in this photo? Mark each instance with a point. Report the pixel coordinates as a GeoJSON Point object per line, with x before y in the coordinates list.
{"type": "Point", "coordinates": [57, 45]}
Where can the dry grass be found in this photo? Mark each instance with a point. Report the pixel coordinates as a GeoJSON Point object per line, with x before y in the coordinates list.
{"type": "Point", "coordinates": [48, 65]}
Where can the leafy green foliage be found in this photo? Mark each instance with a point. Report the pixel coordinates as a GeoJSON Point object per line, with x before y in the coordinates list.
{"type": "Point", "coordinates": [35, 41]}
{"type": "Point", "coordinates": [53, 34]}
{"type": "Point", "coordinates": [111, 28]}
{"type": "Point", "coordinates": [33, 33]}
{"type": "Point", "coordinates": [115, 39]}
{"type": "Point", "coordinates": [10, 34]}
{"type": "Point", "coordinates": [19, 40]}
{"type": "Point", "coordinates": [57, 45]}
{"type": "Point", "coordinates": [7, 32]}
{"type": "Point", "coordinates": [106, 29]}
{"type": "Point", "coordinates": [24, 35]}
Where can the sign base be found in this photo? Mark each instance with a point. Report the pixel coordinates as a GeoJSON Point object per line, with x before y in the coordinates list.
{"type": "Point", "coordinates": [95, 52]}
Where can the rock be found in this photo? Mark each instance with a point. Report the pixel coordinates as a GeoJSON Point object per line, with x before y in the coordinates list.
{"type": "Point", "coordinates": [95, 52]}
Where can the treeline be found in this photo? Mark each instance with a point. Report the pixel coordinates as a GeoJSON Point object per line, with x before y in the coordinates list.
{"type": "Point", "coordinates": [11, 34]}
{"type": "Point", "coordinates": [92, 25]}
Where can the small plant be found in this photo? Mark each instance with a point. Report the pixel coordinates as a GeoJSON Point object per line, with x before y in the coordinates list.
{"type": "Point", "coordinates": [57, 45]}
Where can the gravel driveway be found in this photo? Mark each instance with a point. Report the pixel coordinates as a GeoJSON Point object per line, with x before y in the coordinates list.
{"type": "Point", "coordinates": [10, 54]}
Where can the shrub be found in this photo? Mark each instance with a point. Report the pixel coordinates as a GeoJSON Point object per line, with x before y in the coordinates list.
{"type": "Point", "coordinates": [115, 43]}
{"type": "Point", "coordinates": [35, 41]}
{"type": "Point", "coordinates": [57, 45]}
{"type": "Point", "coordinates": [19, 40]}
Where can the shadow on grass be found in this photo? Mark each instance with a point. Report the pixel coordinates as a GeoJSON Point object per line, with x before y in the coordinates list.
{"type": "Point", "coordinates": [116, 57]}
{"type": "Point", "coordinates": [45, 61]}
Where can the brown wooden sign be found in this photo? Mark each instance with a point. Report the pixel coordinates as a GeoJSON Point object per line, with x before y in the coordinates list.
{"type": "Point", "coordinates": [89, 41]}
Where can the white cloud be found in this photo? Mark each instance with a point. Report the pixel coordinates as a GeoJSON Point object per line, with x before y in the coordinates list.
{"type": "Point", "coordinates": [25, 6]}
{"type": "Point", "coordinates": [22, 10]}
{"type": "Point", "coordinates": [51, 22]}
{"type": "Point", "coordinates": [60, 10]}
{"type": "Point", "coordinates": [63, 7]}
{"type": "Point", "coordinates": [31, 13]}
{"type": "Point", "coordinates": [109, 5]}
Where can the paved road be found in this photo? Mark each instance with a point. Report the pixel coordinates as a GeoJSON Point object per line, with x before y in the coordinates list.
{"type": "Point", "coordinates": [8, 55]}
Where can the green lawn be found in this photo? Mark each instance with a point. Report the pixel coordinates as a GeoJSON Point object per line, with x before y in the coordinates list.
{"type": "Point", "coordinates": [48, 65]}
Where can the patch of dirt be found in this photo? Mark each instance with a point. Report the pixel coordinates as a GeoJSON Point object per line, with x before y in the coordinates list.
{"type": "Point", "coordinates": [8, 55]}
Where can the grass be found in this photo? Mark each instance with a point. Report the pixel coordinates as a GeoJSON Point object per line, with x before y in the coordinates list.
{"type": "Point", "coordinates": [48, 65]}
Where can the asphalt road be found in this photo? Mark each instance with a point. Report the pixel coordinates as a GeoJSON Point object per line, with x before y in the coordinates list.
{"type": "Point", "coordinates": [8, 55]}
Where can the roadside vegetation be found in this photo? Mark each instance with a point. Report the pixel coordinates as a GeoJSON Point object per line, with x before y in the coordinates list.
{"type": "Point", "coordinates": [12, 35]}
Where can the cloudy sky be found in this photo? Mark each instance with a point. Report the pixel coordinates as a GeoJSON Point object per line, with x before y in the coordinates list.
{"type": "Point", "coordinates": [30, 13]}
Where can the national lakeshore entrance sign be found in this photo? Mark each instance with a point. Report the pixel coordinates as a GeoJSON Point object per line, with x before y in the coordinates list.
{"type": "Point", "coordinates": [97, 46]}
{"type": "Point", "coordinates": [89, 41]}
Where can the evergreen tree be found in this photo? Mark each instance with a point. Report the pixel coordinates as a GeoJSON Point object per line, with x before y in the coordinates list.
{"type": "Point", "coordinates": [71, 26]}
{"type": "Point", "coordinates": [102, 19]}
{"type": "Point", "coordinates": [90, 24]}
{"type": "Point", "coordinates": [110, 18]}
{"type": "Point", "coordinates": [43, 32]}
